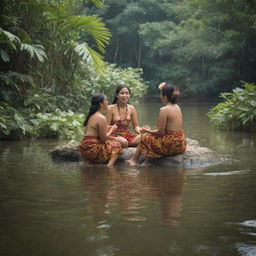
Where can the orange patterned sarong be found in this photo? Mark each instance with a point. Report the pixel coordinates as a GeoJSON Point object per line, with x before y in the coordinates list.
{"type": "Point", "coordinates": [93, 150]}
{"type": "Point", "coordinates": [171, 143]}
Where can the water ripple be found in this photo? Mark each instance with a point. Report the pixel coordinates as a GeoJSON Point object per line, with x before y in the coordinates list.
{"type": "Point", "coordinates": [246, 249]}
{"type": "Point", "coordinates": [249, 223]}
{"type": "Point", "coordinates": [226, 173]}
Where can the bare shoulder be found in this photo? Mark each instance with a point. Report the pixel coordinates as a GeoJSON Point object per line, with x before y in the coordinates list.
{"type": "Point", "coordinates": [99, 118]}
{"type": "Point", "coordinates": [177, 106]}
{"type": "Point", "coordinates": [131, 107]}
{"type": "Point", "coordinates": [164, 109]}
{"type": "Point", "coordinates": [111, 107]}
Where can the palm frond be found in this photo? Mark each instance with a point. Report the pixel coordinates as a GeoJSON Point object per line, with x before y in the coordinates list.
{"type": "Point", "coordinates": [94, 27]}
{"type": "Point", "coordinates": [99, 3]}
{"type": "Point", "coordinates": [89, 55]}
{"type": "Point", "coordinates": [13, 78]}
{"type": "Point", "coordinates": [4, 34]}
{"type": "Point", "coordinates": [34, 50]}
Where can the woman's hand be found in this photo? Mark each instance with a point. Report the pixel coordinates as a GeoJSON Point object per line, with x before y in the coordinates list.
{"type": "Point", "coordinates": [145, 128]}
{"type": "Point", "coordinates": [113, 128]}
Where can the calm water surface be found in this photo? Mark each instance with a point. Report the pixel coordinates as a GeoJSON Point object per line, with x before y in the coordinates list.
{"type": "Point", "coordinates": [59, 209]}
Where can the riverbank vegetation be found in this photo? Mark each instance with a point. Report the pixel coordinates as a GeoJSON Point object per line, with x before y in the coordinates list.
{"type": "Point", "coordinates": [238, 111]}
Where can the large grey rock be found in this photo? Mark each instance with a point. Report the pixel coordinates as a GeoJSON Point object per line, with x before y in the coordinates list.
{"type": "Point", "coordinates": [193, 156]}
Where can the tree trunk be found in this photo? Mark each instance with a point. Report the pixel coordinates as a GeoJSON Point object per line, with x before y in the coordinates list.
{"type": "Point", "coordinates": [139, 54]}
{"type": "Point", "coordinates": [117, 48]}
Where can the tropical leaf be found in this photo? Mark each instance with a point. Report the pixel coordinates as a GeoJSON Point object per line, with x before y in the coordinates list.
{"type": "Point", "coordinates": [253, 103]}
{"type": "Point", "coordinates": [99, 3]}
{"type": "Point", "coordinates": [89, 55]}
{"type": "Point", "coordinates": [34, 50]}
{"type": "Point", "coordinates": [4, 55]}
{"type": "Point", "coordinates": [93, 26]}
{"type": "Point", "coordinates": [7, 35]}
{"type": "Point", "coordinates": [12, 78]}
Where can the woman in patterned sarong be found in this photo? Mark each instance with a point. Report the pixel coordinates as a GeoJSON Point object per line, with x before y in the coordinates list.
{"type": "Point", "coordinates": [121, 113]}
{"type": "Point", "coordinates": [97, 145]}
{"type": "Point", "coordinates": [168, 138]}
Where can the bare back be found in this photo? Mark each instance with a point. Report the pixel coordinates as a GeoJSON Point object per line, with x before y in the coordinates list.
{"type": "Point", "coordinates": [96, 125]}
{"type": "Point", "coordinates": [171, 118]}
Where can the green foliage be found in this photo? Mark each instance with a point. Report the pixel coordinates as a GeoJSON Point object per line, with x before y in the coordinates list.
{"type": "Point", "coordinates": [43, 45]}
{"type": "Point", "coordinates": [59, 124]}
{"type": "Point", "coordinates": [37, 116]}
{"type": "Point", "coordinates": [11, 42]}
{"type": "Point", "coordinates": [106, 82]}
{"type": "Point", "coordinates": [238, 111]}
{"type": "Point", "coordinates": [204, 47]}
{"type": "Point", "coordinates": [89, 81]}
{"type": "Point", "coordinates": [23, 123]}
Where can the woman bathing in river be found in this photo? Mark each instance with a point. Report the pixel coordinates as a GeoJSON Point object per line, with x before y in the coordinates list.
{"type": "Point", "coordinates": [97, 145]}
{"type": "Point", "coordinates": [121, 113]}
{"type": "Point", "coordinates": [168, 138]}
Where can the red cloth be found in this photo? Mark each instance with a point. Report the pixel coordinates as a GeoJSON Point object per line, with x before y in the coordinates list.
{"type": "Point", "coordinates": [93, 150]}
{"type": "Point", "coordinates": [171, 143]}
{"type": "Point", "coordinates": [122, 131]}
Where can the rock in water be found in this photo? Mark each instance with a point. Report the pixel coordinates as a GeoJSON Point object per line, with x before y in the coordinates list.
{"type": "Point", "coordinates": [195, 155]}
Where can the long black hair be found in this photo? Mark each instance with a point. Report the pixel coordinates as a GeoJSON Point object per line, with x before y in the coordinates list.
{"type": "Point", "coordinates": [171, 92]}
{"type": "Point", "coordinates": [95, 105]}
{"type": "Point", "coordinates": [118, 89]}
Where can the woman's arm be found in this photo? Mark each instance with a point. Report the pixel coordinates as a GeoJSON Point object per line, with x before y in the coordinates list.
{"type": "Point", "coordinates": [135, 120]}
{"type": "Point", "coordinates": [109, 115]}
{"type": "Point", "coordinates": [102, 127]}
{"type": "Point", "coordinates": [162, 119]}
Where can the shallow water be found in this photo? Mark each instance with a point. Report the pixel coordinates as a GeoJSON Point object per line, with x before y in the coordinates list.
{"type": "Point", "coordinates": [58, 209]}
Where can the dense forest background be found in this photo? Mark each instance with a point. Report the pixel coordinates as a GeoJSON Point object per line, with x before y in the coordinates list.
{"type": "Point", "coordinates": [55, 54]}
{"type": "Point", "coordinates": [203, 46]}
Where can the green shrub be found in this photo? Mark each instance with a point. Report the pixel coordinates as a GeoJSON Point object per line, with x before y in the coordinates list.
{"type": "Point", "coordinates": [238, 111]}
{"type": "Point", "coordinates": [20, 124]}
{"type": "Point", "coordinates": [89, 81]}
{"type": "Point", "coordinates": [59, 124]}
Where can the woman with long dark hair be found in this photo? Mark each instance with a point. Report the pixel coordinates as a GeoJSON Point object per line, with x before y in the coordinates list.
{"type": "Point", "coordinates": [122, 113]}
{"type": "Point", "coordinates": [97, 145]}
{"type": "Point", "coordinates": [168, 138]}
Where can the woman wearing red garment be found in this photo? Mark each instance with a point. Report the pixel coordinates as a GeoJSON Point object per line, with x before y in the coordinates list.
{"type": "Point", "coordinates": [97, 145]}
{"type": "Point", "coordinates": [168, 138]}
{"type": "Point", "coordinates": [121, 113]}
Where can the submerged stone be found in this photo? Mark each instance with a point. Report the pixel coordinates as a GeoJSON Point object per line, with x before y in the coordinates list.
{"type": "Point", "coordinates": [195, 155]}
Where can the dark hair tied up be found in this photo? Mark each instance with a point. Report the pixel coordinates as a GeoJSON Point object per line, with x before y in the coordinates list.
{"type": "Point", "coordinates": [95, 105]}
{"type": "Point", "coordinates": [171, 92]}
{"type": "Point", "coordinates": [118, 89]}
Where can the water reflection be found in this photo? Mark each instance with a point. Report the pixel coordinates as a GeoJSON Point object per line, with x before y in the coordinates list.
{"type": "Point", "coordinates": [135, 195]}
{"type": "Point", "coordinates": [168, 187]}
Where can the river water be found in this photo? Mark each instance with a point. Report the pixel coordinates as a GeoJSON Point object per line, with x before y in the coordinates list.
{"type": "Point", "coordinates": [49, 208]}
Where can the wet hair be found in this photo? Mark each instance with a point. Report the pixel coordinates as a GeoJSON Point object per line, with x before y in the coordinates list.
{"type": "Point", "coordinates": [171, 92]}
{"type": "Point", "coordinates": [95, 105]}
{"type": "Point", "coordinates": [118, 89]}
